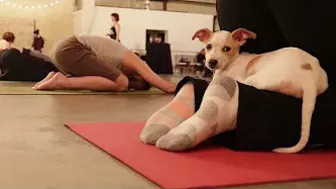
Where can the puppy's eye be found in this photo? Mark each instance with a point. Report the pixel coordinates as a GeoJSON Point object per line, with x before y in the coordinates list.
{"type": "Point", "coordinates": [226, 49]}
{"type": "Point", "coordinates": [208, 47]}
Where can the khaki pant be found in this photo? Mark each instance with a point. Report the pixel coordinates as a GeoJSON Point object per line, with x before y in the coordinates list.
{"type": "Point", "coordinates": [75, 59]}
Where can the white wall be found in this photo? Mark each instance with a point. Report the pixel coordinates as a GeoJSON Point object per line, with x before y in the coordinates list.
{"type": "Point", "coordinates": [84, 18]}
{"type": "Point", "coordinates": [135, 22]}
{"type": "Point", "coordinates": [78, 22]}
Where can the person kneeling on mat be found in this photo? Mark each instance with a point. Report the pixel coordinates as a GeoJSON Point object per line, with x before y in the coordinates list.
{"type": "Point", "coordinates": [97, 63]}
{"type": "Point", "coordinates": [24, 65]}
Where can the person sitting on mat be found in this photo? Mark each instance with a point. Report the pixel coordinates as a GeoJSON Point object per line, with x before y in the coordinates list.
{"type": "Point", "coordinates": [264, 120]}
{"type": "Point", "coordinates": [24, 65]}
{"type": "Point", "coordinates": [7, 39]}
{"type": "Point", "coordinates": [99, 64]}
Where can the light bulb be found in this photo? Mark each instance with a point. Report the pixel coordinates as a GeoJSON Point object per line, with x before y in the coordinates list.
{"type": "Point", "coordinates": [14, 5]}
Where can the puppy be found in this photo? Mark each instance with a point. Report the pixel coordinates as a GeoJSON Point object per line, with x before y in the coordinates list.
{"type": "Point", "coordinates": [289, 71]}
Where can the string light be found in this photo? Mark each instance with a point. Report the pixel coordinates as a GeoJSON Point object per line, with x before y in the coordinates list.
{"type": "Point", "coordinates": [30, 7]}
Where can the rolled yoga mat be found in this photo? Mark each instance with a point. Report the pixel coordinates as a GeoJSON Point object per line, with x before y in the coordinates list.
{"type": "Point", "coordinates": [25, 88]}
{"type": "Point", "coordinates": [206, 167]}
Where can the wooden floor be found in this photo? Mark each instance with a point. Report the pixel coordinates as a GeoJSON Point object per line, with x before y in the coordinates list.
{"type": "Point", "coordinates": [38, 152]}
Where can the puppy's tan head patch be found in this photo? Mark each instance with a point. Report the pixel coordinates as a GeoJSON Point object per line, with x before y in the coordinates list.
{"type": "Point", "coordinates": [306, 66]}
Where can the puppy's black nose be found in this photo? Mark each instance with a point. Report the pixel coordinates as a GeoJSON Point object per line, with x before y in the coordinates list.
{"type": "Point", "coordinates": [213, 63]}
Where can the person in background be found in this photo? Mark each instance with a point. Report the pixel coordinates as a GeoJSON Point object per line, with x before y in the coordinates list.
{"type": "Point", "coordinates": [115, 29]}
{"type": "Point", "coordinates": [201, 59]}
{"type": "Point", "coordinates": [38, 42]}
{"type": "Point", "coordinates": [24, 65]}
{"type": "Point", "coordinates": [7, 39]}
{"type": "Point", "coordinates": [158, 39]}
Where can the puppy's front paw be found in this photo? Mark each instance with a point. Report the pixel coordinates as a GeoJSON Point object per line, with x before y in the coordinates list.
{"type": "Point", "coordinates": [174, 142]}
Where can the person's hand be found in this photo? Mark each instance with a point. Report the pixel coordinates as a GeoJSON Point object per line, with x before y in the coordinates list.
{"type": "Point", "coordinates": [171, 88]}
{"type": "Point", "coordinates": [20, 49]}
{"type": "Point", "coordinates": [122, 83]}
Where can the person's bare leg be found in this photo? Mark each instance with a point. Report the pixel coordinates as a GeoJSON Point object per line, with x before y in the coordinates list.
{"type": "Point", "coordinates": [169, 116]}
{"type": "Point", "coordinates": [49, 76]}
{"type": "Point", "coordinates": [133, 62]}
{"type": "Point", "coordinates": [94, 83]}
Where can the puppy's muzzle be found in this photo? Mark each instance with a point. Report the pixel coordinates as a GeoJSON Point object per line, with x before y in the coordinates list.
{"type": "Point", "coordinates": [213, 64]}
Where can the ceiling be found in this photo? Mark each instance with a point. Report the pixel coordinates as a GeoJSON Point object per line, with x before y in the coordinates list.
{"type": "Point", "coordinates": [28, 2]}
{"type": "Point", "coordinates": [192, 1]}
{"type": "Point", "coordinates": [196, 6]}
{"type": "Point", "coordinates": [43, 1]}
{"type": "Point", "coordinates": [205, 2]}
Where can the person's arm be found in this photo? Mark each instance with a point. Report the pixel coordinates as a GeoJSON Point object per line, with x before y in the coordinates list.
{"type": "Point", "coordinates": [7, 45]}
{"type": "Point", "coordinates": [3, 45]}
{"type": "Point", "coordinates": [122, 83]}
{"type": "Point", "coordinates": [34, 43]}
{"type": "Point", "coordinates": [42, 42]}
{"type": "Point", "coordinates": [39, 55]}
{"type": "Point", "coordinates": [117, 27]}
{"type": "Point", "coordinates": [109, 33]}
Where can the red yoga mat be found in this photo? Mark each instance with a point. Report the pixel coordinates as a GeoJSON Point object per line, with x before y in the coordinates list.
{"type": "Point", "coordinates": [205, 167]}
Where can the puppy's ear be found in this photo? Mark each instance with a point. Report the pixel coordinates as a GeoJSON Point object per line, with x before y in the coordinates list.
{"type": "Point", "coordinates": [203, 35]}
{"type": "Point", "coordinates": [242, 34]}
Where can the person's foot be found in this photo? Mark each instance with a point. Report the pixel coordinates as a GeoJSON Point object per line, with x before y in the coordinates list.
{"type": "Point", "coordinates": [49, 76]}
{"type": "Point", "coordinates": [54, 83]}
{"type": "Point", "coordinates": [161, 122]}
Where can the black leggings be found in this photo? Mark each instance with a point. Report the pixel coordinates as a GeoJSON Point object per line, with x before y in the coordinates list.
{"type": "Point", "coordinates": [17, 66]}
{"type": "Point", "coordinates": [267, 120]}
{"type": "Point", "coordinates": [306, 24]}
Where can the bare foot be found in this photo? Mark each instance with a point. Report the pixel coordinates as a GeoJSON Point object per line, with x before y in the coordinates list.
{"type": "Point", "coordinates": [54, 83]}
{"type": "Point", "coordinates": [49, 76]}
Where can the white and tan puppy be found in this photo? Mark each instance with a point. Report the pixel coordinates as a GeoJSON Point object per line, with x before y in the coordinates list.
{"type": "Point", "coordinates": [289, 71]}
